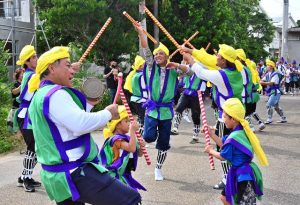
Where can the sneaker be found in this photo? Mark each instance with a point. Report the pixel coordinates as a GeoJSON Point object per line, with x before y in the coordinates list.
{"type": "Point", "coordinates": [219, 186]}
{"type": "Point", "coordinates": [174, 131]}
{"type": "Point", "coordinates": [186, 118]}
{"type": "Point", "coordinates": [158, 175]}
{"type": "Point", "coordinates": [261, 126]}
{"type": "Point", "coordinates": [31, 181]}
{"type": "Point", "coordinates": [268, 121]}
{"type": "Point", "coordinates": [20, 182]}
{"type": "Point", "coordinates": [27, 185]}
{"type": "Point", "coordinates": [194, 141]}
{"type": "Point", "coordinates": [282, 120]}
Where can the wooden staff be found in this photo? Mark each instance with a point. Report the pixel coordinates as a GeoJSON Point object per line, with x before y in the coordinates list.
{"type": "Point", "coordinates": [191, 38]}
{"type": "Point", "coordinates": [161, 27]}
{"type": "Point", "coordinates": [136, 24]}
{"type": "Point", "coordinates": [207, 47]}
{"type": "Point", "coordinates": [95, 40]}
{"type": "Point", "coordinates": [215, 51]}
{"type": "Point", "coordinates": [137, 133]}
{"type": "Point", "coordinates": [189, 44]}
{"type": "Point", "coordinates": [204, 121]}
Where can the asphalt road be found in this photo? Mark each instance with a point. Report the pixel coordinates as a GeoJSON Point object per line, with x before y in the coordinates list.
{"type": "Point", "coordinates": [188, 179]}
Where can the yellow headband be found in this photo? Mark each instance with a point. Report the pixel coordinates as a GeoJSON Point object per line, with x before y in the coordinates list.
{"type": "Point", "coordinates": [234, 108]}
{"type": "Point", "coordinates": [111, 126]}
{"type": "Point", "coordinates": [56, 53]}
{"type": "Point", "coordinates": [138, 62]}
{"type": "Point", "coordinates": [210, 61]}
{"type": "Point", "coordinates": [270, 63]}
{"type": "Point", "coordinates": [163, 48]}
{"type": "Point", "coordinates": [229, 54]}
{"type": "Point", "coordinates": [26, 53]}
{"type": "Point", "coordinates": [241, 54]}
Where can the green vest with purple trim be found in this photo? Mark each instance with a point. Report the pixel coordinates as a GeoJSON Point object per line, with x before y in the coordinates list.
{"type": "Point", "coordinates": [160, 102]}
{"type": "Point", "coordinates": [55, 183]}
{"type": "Point", "coordinates": [248, 86]}
{"type": "Point", "coordinates": [25, 103]}
{"type": "Point", "coordinates": [118, 168]}
{"type": "Point", "coordinates": [242, 143]}
{"type": "Point", "coordinates": [234, 83]}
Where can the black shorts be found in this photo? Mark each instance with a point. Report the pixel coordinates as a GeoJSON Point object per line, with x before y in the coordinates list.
{"type": "Point", "coordinates": [100, 188]}
{"type": "Point", "coordinates": [27, 135]}
{"type": "Point", "coordinates": [245, 193]}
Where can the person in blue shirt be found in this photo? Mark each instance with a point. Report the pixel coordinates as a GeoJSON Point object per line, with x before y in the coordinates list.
{"type": "Point", "coordinates": [244, 179]}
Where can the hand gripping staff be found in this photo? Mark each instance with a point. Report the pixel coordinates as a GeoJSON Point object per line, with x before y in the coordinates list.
{"type": "Point", "coordinates": [137, 133]}
{"type": "Point", "coordinates": [207, 138]}
{"type": "Point", "coordinates": [95, 40]}
{"type": "Point", "coordinates": [185, 42]}
{"type": "Point", "coordinates": [161, 27]}
{"type": "Point", "coordinates": [135, 23]}
{"type": "Point", "coordinates": [120, 81]}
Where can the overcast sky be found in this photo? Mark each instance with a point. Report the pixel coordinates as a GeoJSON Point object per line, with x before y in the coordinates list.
{"type": "Point", "coordinates": [274, 8]}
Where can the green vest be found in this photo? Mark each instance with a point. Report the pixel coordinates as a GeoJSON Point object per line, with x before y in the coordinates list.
{"type": "Point", "coordinates": [24, 84]}
{"type": "Point", "coordinates": [160, 103]}
{"type": "Point", "coordinates": [138, 92]}
{"type": "Point", "coordinates": [245, 146]}
{"type": "Point", "coordinates": [47, 151]}
{"type": "Point", "coordinates": [255, 94]}
{"type": "Point", "coordinates": [248, 86]}
{"type": "Point", "coordinates": [234, 83]}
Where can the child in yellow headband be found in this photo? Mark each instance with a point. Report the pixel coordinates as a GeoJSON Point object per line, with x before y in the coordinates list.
{"type": "Point", "coordinates": [120, 150]}
{"type": "Point", "coordinates": [244, 179]}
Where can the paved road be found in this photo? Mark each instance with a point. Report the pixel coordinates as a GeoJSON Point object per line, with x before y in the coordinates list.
{"type": "Point", "coordinates": [188, 178]}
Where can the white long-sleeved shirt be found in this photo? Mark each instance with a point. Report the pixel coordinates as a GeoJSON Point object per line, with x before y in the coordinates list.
{"type": "Point", "coordinates": [72, 121]}
{"type": "Point", "coordinates": [213, 76]}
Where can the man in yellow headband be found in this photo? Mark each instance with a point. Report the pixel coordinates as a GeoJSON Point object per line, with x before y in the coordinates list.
{"type": "Point", "coordinates": [28, 60]}
{"type": "Point", "coordinates": [244, 179]}
{"type": "Point", "coordinates": [272, 81]}
{"type": "Point", "coordinates": [227, 81]}
{"type": "Point", "coordinates": [136, 85]}
{"type": "Point", "coordinates": [161, 83]}
{"type": "Point", "coordinates": [248, 74]}
{"type": "Point", "coordinates": [72, 172]}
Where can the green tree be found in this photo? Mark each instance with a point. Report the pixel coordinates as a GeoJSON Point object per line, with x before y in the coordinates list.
{"type": "Point", "coordinates": [238, 23]}
{"type": "Point", "coordinates": [5, 101]}
{"type": "Point", "coordinates": [79, 21]}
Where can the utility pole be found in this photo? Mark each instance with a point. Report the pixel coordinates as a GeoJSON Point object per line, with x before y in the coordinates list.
{"type": "Point", "coordinates": [13, 38]}
{"type": "Point", "coordinates": [143, 23]}
{"type": "Point", "coordinates": [155, 10]}
{"type": "Point", "coordinates": [284, 45]}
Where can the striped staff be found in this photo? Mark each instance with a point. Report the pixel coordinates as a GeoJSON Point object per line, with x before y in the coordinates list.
{"type": "Point", "coordinates": [161, 27]}
{"type": "Point", "coordinates": [95, 40]}
{"type": "Point", "coordinates": [185, 42]}
{"type": "Point", "coordinates": [189, 44]}
{"type": "Point", "coordinates": [135, 24]}
{"type": "Point", "coordinates": [137, 133]}
{"type": "Point", "coordinates": [204, 121]}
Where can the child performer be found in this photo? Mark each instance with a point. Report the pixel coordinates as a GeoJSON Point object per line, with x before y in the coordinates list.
{"type": "Point", "coordinates": [120, 151]}
{"type": "Point", "coordinates": [244, 179]}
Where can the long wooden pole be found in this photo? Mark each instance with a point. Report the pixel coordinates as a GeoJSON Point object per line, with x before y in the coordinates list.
{"type": "Point", "coordinates": [95, 40]}
{"type": "Point", "coordinates": [185, 42]}
{"type": "Point", "coordinates": [135, 23]}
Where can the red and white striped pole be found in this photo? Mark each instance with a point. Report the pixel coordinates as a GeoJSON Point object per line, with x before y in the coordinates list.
{"type": "Point", "coordinates": [137, 133]}
{"type": "Point", "coordinates": [205, 125]}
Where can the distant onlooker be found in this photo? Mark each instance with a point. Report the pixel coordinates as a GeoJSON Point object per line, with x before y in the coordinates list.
{"type": "Point", "coordinates": [110, 74]}
{"type": "Point", "coordinates": [12, 124]}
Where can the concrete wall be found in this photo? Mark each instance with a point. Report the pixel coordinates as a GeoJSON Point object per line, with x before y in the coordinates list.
{"type": "Point", "coordinates": [23, 27]}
